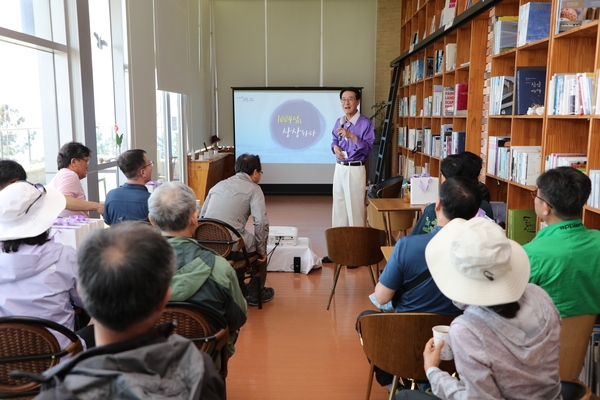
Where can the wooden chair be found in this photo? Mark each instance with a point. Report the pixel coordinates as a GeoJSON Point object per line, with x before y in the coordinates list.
{"type": "Point", "coordinates": [399, 220]}
{"type": "Point", "coordinates": [223, 239]}
{"type": "Point", "coordinates": [395, 342]}
{"type": "Point", "coordinates": [574, 338]}
{"type": "Point", "coordinates": [28, 346]}
{"type": "Point", "coordinates": [574, 390]}
{"type": "Point", "coordinates": [194, 322]}
{"type": "Point", "coordinates": [354, 245]}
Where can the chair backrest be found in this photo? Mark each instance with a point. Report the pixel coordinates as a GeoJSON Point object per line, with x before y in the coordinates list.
{"type": "Point", "coordinates": [574, 338]}
{"type": "Point", "coordinates": [387, 188]}
{"type": "Point", "coordinates": [395, 341]}
{"type": "Point", "coordinates": [194, 323]}
{"type": "Point", "coordinates": [214, 235]}
{"type": "Point", "coordinates": [355, 245]}
{"type": "Point", "coordinates": [574, 390]}
{"type": "Point", "coordinates": [27, 345]}
{"type": "Point", "coordinates": [399, 220]}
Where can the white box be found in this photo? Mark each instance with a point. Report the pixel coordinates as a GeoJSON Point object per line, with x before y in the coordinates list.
{"type": "Point", "coordinates": [73, 235]}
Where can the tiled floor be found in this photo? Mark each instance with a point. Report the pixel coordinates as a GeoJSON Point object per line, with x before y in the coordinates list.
{"type": "Point", "coordinates": [294, 348]}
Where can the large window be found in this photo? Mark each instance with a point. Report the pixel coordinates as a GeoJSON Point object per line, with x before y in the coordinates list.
{"type": "Point", "coordinates": [169, 123]}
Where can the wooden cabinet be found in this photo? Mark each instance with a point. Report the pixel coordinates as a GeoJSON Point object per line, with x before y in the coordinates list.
{"type": "Point", "coordinates": [569, 52]}
{"type": "Point", "coordinates": [204, 174]}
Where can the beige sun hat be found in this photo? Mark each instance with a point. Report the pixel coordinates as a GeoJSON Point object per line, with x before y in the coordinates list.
{"type": "Point", "coordinates": [473, 262]}
{"type": "Point", "coordinates": [27, 210]}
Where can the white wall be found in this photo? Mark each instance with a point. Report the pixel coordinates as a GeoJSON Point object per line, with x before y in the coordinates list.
{"type": "Point", "coordinates": [280, 43]}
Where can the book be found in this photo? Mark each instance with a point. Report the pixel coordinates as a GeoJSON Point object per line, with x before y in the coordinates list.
{"type": "Point", "coordinates": [450, 56]}
{"type": "Point", "coordinates": [448, 95]}
{"type": "Point", "coordinates": [461, 96]}
{"type": "Point", "coordinates": [574, 13]}
{"type": "Point", "coordinates": [521, 225]}
{"type": "Point", "coordinates": [534, 22]}
{"type": "Point", "coordinates": [458, 142]}
{"type": "Point", "coordinates": [429, 67]}
{"type": "Point", "coordinates": [439, 62]}
{"type": "Point", "coordinates": [505, 33]}
{"type": "Point", "coordinates": [494, 143]}
{"type": "Point", "coordinates": [437, 100]}
{"type": "Point", "coordinates": [530, 88]}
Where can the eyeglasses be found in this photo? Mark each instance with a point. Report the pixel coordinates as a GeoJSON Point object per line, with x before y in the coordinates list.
{"type": "Point", "coordinates": [42, 190]}
{"type": "Point", "coordinates": [534, 195]}
{"type": "Point", "coordinates": [348, 99]}
{"type": "Point", "coordinates": [86, 160]}
{"type": "Point", "coordinates": [147, 165]}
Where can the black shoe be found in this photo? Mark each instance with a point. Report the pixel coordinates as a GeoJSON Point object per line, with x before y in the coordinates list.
{"type": "Point", "coordinates": [326, 260]}
{"type": "Point", "coordinates": [351, 266]}
{"type": "Point", "coordinates": [266, 295]}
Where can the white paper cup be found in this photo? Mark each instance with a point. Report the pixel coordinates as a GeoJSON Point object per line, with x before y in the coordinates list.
{"type": "Point", "coordinates": [206, 155]}
{"type": "Point", "coordinates": [440, 332]}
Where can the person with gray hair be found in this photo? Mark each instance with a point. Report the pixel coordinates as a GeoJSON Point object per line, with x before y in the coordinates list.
{"type": "Point", "coordinates": [124, 283]}
{"type": "Point", "coordinates": [202, 277]}
{"type": "Point", "coordinates": [129, 202]}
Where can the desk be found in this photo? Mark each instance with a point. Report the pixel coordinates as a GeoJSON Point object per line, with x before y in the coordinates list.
{"type": "Point", "coordinates": [387, 205]}
{"type": "Point", "coordinates": [204, 174]}
{"type": "Point", "coordinates": [283, 257]}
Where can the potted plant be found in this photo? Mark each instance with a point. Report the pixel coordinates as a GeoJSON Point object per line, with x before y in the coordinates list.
{"type": "Point", "coordinates": [378, 118]}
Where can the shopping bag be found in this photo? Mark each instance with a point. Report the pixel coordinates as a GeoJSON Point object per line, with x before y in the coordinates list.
{"type": "Point", "coordinates": [423, 189]}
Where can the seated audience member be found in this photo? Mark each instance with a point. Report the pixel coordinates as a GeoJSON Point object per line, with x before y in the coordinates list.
{"type": "Point", "coordinates": [474, 171]}
{"type": "Point", "coordinates": [38, 276]}
{"type": "Point", "coordinates": [73, 160]}
{"type": "Point", "coordinates": [565, 255]}
{"type": "Point", "coordinates": [11, 172]}
{"type": "Point", "coordinates": [233, 201]}
{"type": "Point", "coordinates": [130, 201]}
{"type": "Point", "coordinates": [405, 280]}
{"type": "Point", "coordinates": [462, 164]}
{"type": "Point", "coordinates": [124, 283]}
{"type": "Point", "coordinates": [201, 276]}
{"type": "Point", "coordinates": [506, 343]}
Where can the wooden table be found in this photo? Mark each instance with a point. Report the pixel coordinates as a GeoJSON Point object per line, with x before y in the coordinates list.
{"type": "Point", "coordinates": [388, 205]}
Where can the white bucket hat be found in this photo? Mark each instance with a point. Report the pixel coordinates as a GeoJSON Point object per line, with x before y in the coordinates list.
{"type": "Point", "coordinates": [473, 262]}
{"type": "Point", "coordinates": [27, 210]}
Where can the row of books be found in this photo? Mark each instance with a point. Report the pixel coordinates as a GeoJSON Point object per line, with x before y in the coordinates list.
{"type": "Point", "coordinates": [575, 160]}
{"type": "Point", "coordinates": [594, 199]}
{"type": "Point", "coordinates": [444, 101]}
{"type": "Point", "coordinates": [434, 144]}
{"type": "Point", "coordinates": [518, 95]}
{"type": "Point", "coordinates": [590, 374]}
{"type": "Point", "coordinates": [521, 164]}
{"type": "Point", "coordinates": [571, 94]}
{"type": "Point", "coordinates": [416, 70]}
{"type": "Point", "coordinates": [532, 24]}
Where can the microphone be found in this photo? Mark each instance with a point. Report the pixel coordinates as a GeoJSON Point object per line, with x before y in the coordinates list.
{"type": "Point", "coordinates": [342, 123]}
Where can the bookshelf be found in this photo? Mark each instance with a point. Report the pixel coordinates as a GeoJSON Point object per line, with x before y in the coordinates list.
{"type": "Point", "coordinates": [573, 51]}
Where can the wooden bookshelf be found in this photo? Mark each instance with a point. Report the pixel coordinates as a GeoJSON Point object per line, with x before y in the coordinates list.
{"type": "Point", "coordinates": [573, 51]}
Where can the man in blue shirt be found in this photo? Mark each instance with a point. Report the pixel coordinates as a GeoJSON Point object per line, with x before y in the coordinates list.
{"type": "Point", "coordinates": [130, 201]}
{"type": "Point", "coordinates": [405, 280]}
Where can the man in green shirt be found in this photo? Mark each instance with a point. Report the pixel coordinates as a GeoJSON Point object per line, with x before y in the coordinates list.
{"type": "Point", "coordinates": [565, 256]}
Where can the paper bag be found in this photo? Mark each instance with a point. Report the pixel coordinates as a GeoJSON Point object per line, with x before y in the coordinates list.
{"type": "Point", "coordinates": [424, 190]}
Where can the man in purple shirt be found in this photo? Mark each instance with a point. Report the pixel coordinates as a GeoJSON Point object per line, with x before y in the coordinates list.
{"type": "Point", "coordinates": [352, 141]}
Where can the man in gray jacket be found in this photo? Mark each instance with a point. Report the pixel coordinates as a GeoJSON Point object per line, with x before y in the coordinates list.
{"type": "Point", "coordinates": [124, 275]}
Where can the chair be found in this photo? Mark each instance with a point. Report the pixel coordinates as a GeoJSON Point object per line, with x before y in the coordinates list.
{"type": "Point", "coordinates": [574, 338]}
{"type": "Point", "coordinates": [354, 245]}
{"type": "Point", "coordinates": [223, 238]}
{"type": "Point", "coordinates": [389, 188]}
{"type": "Point", "coordinates": [574, 390]}
{"type": "Point", "coordinates": [28, 346]}
{"type": "Point", "coordinates": [395, 342]}
{"type": "Point", "coordinates": [399, 220]}
{"type": "Point", "coordinates": [194, 323]}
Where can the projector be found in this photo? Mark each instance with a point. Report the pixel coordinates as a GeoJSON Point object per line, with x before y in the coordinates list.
{"type": "Point", "coordinates": [283, 235]}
